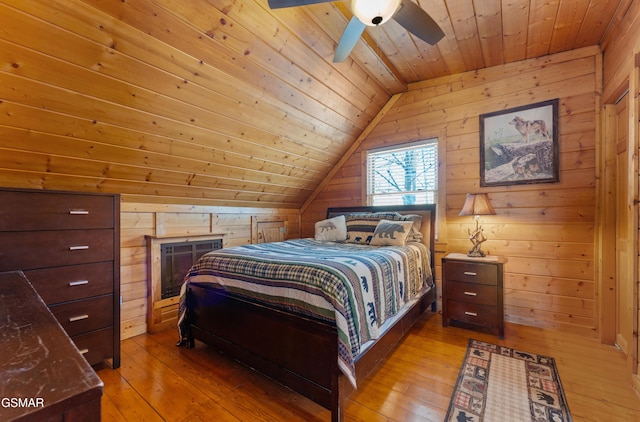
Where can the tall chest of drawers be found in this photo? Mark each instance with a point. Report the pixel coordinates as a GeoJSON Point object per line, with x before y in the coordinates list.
{"type": "Point", "coordinates": [68, 246]}
{"type": "Point", "coordinates": [472, 292]}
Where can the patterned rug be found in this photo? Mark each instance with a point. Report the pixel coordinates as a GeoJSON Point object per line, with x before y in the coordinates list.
{"type": "Point", "coordinates": [498, 384]}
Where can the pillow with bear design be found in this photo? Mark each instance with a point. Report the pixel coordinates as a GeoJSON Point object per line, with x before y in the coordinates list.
{"type": "Point", "coordinates": [332, 229]}
{"type": "Point", "coordinates": [361, 225]}
{"type": "Point", "coordinates": [391, 233]}
{"type": "Point", "coordinates": [416, 234]}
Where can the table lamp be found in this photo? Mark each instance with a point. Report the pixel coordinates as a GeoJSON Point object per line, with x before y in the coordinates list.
{"type": "Point", "coordinates": [477, 204]}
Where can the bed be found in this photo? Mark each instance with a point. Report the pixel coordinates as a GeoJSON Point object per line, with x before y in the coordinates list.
{"type": "Point", "coordinates": [317, 315]}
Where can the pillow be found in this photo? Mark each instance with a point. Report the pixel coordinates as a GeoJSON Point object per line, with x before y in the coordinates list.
{"type": "Point", "coordinates": [391, 233]}
{"type": "Point", "coordinates": [332, 229]}
{"type": "Point", "coordinates": [415, 235]}
{"type": "Point", "coordinates": [360, 226]}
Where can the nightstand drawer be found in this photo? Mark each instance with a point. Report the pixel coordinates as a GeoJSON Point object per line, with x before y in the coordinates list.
{"type": "Point", "coordinates": [485, 316]}
{"type": "Point", "coordinates": [481, 294]}
{"type": "Point", "coordinates": [471, 272]}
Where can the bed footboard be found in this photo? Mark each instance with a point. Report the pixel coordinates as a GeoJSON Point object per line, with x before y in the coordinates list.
{"type": "Point", "coordinates": [298, 352]}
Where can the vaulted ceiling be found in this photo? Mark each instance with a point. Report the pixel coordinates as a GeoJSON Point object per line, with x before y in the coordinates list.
{"type": "Point", "coordinates": [226, 101]}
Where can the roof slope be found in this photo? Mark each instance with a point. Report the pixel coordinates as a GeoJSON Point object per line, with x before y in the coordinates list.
{"type": "Point", "coordinates": [229, 103]}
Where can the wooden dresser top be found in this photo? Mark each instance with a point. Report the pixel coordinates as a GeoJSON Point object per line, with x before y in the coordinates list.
{"type": "Point", "coordinates": [37, 359]}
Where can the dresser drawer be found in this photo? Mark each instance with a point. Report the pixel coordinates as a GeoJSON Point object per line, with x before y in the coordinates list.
{"type": "Point", "coordinates": [85, 315]}
{"type": "Point", "coordinates": [33, 250]}
{"type": "Point", "coordinates": [481, 294]}
{"type": "Point", "coordinates": [485, 316]}
{"type": "Point", "coordinates": [63, 284]}
{"type": "Point", "coordinates": [95, 346]}
{"type": "Point", "coordinates": [55, 211]}
{"type": "Point", "coordinates": [471, 272]}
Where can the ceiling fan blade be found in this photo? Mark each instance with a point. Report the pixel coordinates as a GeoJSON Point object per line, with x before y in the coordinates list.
{"type": "Point", "coordinates": [349, 38]}
{"type": "Point", "coordinates": [418, 22]}
{"type": "Point", "coordinates": [279, 4]}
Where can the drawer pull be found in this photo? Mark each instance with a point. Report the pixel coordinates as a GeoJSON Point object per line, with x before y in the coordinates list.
{"type": "Point", "coordinates": [470, 313]}
{"type": "Point", "coordinates": [471, 293]}
{"type": "Point", "coordinates": [78, 212]}
{"type": "Point", "coordinates": [83, 351]}
{"type": "Point", "coordinates": [78, 248]}
{"type": "Point", "coordinates": [78, 283]}
{"type": "Point", "coordinates": [470, 273]}
{"type": "Point", "coordinates": [78, 318]}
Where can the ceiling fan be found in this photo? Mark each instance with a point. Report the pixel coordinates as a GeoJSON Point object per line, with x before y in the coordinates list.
{"type": "Point", "coordinates": [374, 13]}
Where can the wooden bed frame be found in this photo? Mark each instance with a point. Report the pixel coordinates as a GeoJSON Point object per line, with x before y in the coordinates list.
{"type": "Point", "coordinates": [298, 352]}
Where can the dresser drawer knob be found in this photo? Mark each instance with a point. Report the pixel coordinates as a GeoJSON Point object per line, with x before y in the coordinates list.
{"type": "Point", "coordinates": [471, 293]}
{"type": "Point", "coordinates": [78, 283]}
{"type": "Point", "coordinates": [83, 351]}
{"type": "Point", "coordinates": [470, 273]}
{"type": "Point", "coordinates": [470, 313]}
{"type": "Point", "coordinates": [78, 318]}
{"type": "Point", "coordinates": [78, 212]}
{"type": "Point", "coordinates": [78, 248]}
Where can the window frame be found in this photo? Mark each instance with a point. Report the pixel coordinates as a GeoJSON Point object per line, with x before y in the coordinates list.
{"type": "Point", "coordinates": [368, 172]}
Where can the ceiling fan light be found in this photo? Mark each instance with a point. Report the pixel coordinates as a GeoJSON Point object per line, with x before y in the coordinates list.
{"type": "Point", "coordinates": [374, 12]}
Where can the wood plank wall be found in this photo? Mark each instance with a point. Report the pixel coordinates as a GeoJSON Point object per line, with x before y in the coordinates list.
{"type": "Point", "coordinates": [140, 219]}
{"type": "Point", "coordinates": [545, 231]}
{"type": "Point", "coordinates": [621, 63]}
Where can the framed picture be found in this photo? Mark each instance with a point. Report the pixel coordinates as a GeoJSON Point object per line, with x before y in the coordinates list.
{"type": "Point", "coordinates": [520, 145]}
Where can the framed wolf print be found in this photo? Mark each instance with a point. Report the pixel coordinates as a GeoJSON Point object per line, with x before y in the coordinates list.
{"type": "Point", "coordinates": [520, 145]}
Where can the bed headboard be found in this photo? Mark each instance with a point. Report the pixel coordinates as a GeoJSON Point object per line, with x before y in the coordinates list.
{"type": "Point", "coordinates": [428, 213]}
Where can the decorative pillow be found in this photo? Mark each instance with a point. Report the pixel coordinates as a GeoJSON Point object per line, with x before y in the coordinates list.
{"type": "Point", "coordinates": [333, 229]}
{"type": "Point", "coordinates": [415, 235]}
{"type": "Point", "coordinates": [391, 233]}
{"type": "Point", "coordinates": [360, 226]}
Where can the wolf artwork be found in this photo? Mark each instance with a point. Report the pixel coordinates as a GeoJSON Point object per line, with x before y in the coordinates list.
{"type": "Point", "coordinates": [520, 147]}
{"type": "Point", "coordinates": [537, 128]}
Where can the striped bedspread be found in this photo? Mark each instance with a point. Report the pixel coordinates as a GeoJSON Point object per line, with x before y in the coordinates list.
{"type": "Point", "coordinates": [358, 286]}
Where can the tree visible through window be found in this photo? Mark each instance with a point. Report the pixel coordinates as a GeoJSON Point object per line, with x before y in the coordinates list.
{"type": "Point", "coordinates": [403, 175]}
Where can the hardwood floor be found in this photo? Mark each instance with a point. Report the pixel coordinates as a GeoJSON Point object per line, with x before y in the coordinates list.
{"type": "Point", "coordinates": [159, 381]}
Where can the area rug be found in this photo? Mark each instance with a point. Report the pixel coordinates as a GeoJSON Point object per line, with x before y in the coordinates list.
{"type": "Point", "coordinates": [498, 384]}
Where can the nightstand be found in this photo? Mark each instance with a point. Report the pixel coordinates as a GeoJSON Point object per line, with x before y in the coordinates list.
{"type": "Point", "coordinates": [472, 295]}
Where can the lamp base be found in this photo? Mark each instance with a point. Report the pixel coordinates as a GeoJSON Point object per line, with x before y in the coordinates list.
{"type": "Point", "coordinates": [476, 237]}
{"type": "Point", "coordinates": [476, 254]}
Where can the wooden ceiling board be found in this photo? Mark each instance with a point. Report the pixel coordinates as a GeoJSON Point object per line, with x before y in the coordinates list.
{"type": "Point", "coordinates": [448, 47]}
{"type": "Point", "coordinates": [465, 27]}
{"type": "Point", "coordinates": [489, 21]}
{"type": "Point", "coordinates": [570, 26]}
{"type": "Point", "coordinates": [399, 46]}
{"type": "Point", "coordinates": [515, 28]}
{"type": "Point", "coordinates": [595, 23]}
{"type": "Point", "coordinates": [542, 18]}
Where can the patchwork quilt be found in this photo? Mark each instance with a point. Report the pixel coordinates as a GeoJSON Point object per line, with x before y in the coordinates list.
{"type": "Point", "coordinates": [358, 286]}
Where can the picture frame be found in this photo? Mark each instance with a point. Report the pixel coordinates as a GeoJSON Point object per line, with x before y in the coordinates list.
{"type": "Point", "coordinates": [520, 145]}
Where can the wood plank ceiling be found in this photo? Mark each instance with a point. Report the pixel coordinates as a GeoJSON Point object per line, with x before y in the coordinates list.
{"type": "Point", "coordinates": [226, 102]}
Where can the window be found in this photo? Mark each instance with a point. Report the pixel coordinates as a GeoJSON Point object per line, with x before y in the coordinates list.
{"type": "Point", "coordinates": [403, 175]}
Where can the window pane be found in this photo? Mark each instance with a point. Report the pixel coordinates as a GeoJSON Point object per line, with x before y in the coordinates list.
{"type": "Point", "coordinates": [403, 175]}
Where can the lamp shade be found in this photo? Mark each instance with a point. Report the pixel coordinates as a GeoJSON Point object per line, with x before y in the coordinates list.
{"type": "Point", "coordinates": [374, 12]}
{"type": "Point", "coordinates": [477, 204]}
